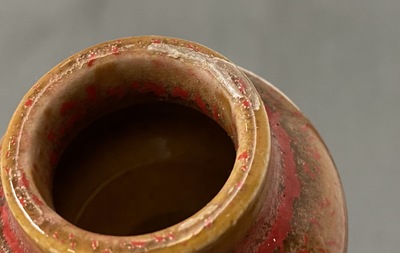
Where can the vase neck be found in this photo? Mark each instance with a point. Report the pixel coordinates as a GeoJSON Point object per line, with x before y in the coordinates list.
{"type": "Point", "coordinates": [114, 75]}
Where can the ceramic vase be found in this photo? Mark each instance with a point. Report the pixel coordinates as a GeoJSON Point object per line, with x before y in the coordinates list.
{"type": "Point", "coordinates": [224, 160]}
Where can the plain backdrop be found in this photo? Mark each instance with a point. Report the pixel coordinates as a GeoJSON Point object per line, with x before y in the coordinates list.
{"type": "Point", "coordinates": [338, 60]}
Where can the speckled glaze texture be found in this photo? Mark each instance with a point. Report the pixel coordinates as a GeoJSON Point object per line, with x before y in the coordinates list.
{"type": "Point", "coordinates": [304, 207]}
{"type": "Point", "coordinates": [283, 193]}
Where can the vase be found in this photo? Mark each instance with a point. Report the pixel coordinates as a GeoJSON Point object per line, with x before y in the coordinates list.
{"type": "Point", "coordinates": [156, 144]}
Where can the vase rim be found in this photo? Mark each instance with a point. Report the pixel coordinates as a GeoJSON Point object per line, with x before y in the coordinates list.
{"type": "Point", "coordinates": [235, 200]}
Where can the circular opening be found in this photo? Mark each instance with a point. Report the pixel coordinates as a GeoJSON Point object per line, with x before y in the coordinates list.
{"type": "Point", "coordinates": [142, 169]}
{"type": "Point", "coordinates": [121, 82]}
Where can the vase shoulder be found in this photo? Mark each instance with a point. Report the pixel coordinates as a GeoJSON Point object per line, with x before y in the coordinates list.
{"type": "Point", "coordinates": [305, 208]}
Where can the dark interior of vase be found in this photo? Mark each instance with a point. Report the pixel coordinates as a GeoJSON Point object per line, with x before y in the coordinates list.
{"type": "Point", "coordinates": [134, 146]}
{"type": "Point", "coordinates": [142, 169]}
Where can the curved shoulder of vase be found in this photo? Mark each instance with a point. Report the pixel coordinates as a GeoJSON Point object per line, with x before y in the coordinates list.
{"type": "Point", "coordinates": [305, 209]}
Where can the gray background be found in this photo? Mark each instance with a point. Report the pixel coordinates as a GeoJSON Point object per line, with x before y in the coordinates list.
{"type": "Point", "coordinates": [338, 60]}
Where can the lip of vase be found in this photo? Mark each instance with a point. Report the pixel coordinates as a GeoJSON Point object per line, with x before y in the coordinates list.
{"type": "Point", "coordinates": [109, 76]}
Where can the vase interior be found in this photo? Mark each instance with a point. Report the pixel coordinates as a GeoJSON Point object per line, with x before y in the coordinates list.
{"type": "Point", "coordinates": [141, 169]}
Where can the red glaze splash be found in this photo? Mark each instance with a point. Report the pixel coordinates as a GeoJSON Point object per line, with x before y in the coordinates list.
{"type": "Point", "coordinates": [244, 155]}
{"type": "Point", "coordinates": [246, 103]}
{"type": "Point", "coordinates": [208, 222]}
{"type": "Point", "coordinates": [91, 93]}
{"type": "Point", "coordinates": [22, 200]}
{"type": "Point", "coordinates": [193, 47]}
{"type": "Point", "coordinates": [156, 41]}
{"type": "Point", "coordinates": [28, 102]}
{"type": "Point", "coordinates": [171, 236]}
{"type": "Point", "coordinates": [159, 238]}
{"type": "Point", "coordinates": [8, 233]}
{"type": "Point", "coordinates": [23, 181]}
{"type": "Point", "coordinates": [138, 244]}
{"type": "Point", "coordinates": [157, 90]}
{"type": "Point", "coordinates": [115, 50]}
{"type": "Point", "coordinates": [95, 244]}
{"type": "Point", "coordinates": [200, 103]}
{"type": "Point", "coordinates": [180, 93]}
{"type": "Point", "coordinates": [282, 226]}
{"type": "Point", "coordinates": [241, 85]}
{"type": "Point", "coordinates": [92, 58]}
{"type": "Point", "coordinates": [72, 241]}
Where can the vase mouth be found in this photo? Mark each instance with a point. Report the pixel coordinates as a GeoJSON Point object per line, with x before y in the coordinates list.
{"type": "Point", "coordinates": [114, 75]}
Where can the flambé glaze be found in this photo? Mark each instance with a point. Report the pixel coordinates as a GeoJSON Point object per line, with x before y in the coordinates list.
{"type": "Point", "coordinates": [156, 144]}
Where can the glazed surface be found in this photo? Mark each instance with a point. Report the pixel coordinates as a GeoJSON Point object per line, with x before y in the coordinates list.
{"type": "Point", "coordinates": [305, 210]}
{"type": "Point", "coordinates": [283, 194]}
{"type": "Point", "coordinates": [105, 78]}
